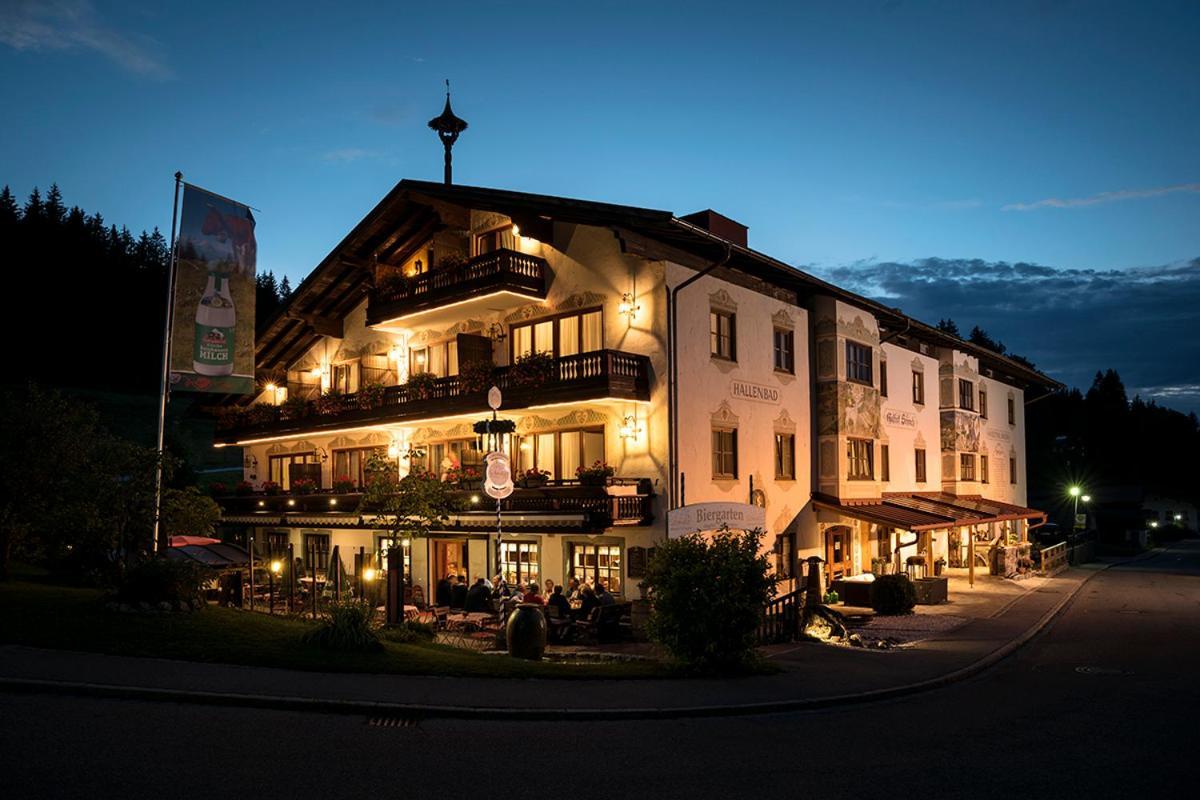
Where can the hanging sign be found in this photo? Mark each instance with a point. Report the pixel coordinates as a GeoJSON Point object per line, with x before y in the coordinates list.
{"type": "Point", "coordinates": [212, 329]}
{"type": "Point", "coordinates": [494, 398]}
{"type": "Point", "coordinates": [711, 516]}
{"type": "Point", "coordinates": [497, 481]}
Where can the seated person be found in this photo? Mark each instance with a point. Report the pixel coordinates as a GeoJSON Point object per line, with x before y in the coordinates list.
{"type": "Point", "coordinates": [532, 596]}
{"type": "Point", "coordinates": [587, 602]}
{"type": "Point", "coordinates": [444, 592]}
{"type": "Point", "coordinates": [559, 600]}
{"type": "Point", "coordinates": [458, 596]}
{"type": "Point", "coordinates": [602, 595]}
{"type": "Point", "coordinates": [479, 597]}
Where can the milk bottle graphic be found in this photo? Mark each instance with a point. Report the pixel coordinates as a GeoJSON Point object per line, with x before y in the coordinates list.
{"type": "Point", "coordinates": [216, 321]}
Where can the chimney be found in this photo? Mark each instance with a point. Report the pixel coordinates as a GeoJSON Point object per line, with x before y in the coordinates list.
{"type": "Point", "coordinates": [719, 225]}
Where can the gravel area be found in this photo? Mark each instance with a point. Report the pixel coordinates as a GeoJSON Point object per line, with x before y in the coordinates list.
{"type": "Point", "coordinates": [905, 629]}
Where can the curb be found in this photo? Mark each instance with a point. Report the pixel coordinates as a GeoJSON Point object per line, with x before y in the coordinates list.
{"type": "Point", "coordinates": [424, 711]}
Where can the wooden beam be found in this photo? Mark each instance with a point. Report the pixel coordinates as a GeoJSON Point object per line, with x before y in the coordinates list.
{"type": "Point", "coordinates": [322, 325]}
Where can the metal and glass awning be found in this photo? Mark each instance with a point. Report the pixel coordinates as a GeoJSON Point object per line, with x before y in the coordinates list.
{"type": "Point", "coordinates": [921, 511]}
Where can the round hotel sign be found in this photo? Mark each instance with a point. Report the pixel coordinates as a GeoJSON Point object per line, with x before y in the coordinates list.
{"type": "Point", "coordinates": [497, 472]}
{"type": "Point", "coordinates": [711, 516]}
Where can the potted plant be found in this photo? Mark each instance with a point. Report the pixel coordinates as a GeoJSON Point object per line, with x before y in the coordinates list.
{"type": "Point", "coordinates": [243, 488]}
{"type": "Point", "coordinates": [332, 402]}
{"type": "Point", "coordinates": [393, 284]}
{"type": "Point", "coordinates": [421, 386]}
{"type": "Point", "coordinates": [271, 488]}
{"type": "Point", "coordinates": [217, 489]}
{"type": "Point", "coordinates": [595, 475]}
{"type": "Point", "coordinates": [451, 261]}
{"type": "Point", "coordinates": [463, 477]}
{"type": "Point", "coordinates": [370, 396]}
{"type": "Point", "coordinates": [535, 478]}
{"type": "Point", "coordinates": [262, 413]}
{"type": "Point", "coordinates": [532, 371]}
{"type": "Point", "coordinates": [342, 484]}
{"type": "Point", "coordinates": [303, 486]}
{"type": "Point", "coordinates": [475, 377]}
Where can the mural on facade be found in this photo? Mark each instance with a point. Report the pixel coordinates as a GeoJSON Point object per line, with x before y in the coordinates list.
{"type": "Point", "coordinates": [847, 409]}
{"type": "Point", "coordinates": [960, 431]}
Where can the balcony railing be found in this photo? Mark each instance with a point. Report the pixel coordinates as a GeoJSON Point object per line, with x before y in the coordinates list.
{"type": "Point", "coordinates": [490, 272]}
{"type": "Point", "coordinates": [600, 507]}
{"type": "Point", "coordinates": [584, 376]}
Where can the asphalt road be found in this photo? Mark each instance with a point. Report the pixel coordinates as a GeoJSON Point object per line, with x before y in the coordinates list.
{"type": "Point", "coordinates": [1103, 704]}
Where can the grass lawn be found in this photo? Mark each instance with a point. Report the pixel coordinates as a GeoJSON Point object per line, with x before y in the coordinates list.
{"type": "Point", "coordinates": [66, 618]}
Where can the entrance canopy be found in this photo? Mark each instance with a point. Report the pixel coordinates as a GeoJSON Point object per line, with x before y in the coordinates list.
{"type": "Point", "coordinates": [221, 555]}
{"type": "Point", "coordinates": [927, 511]}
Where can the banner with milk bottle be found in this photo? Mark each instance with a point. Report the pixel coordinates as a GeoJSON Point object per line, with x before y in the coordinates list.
{"type": "Point", "coordinates": [212, 339]}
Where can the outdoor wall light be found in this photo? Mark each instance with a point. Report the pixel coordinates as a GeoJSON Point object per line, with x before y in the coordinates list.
{"type": "Point", "coordinates": [333, 501]}
{"type": "Point", "coordinates": [630, 429]}
{"type": "Point", "coordinates": [1087, 498]}
{"type": "Point", "coordinates": [291, 502]}
{"type": "Point", "coordinates": [1153, 523]}
{"type": "Point", "coordinates": [395, 354]}
{"type": "Point", "coordinates": [276, 567]}
{"type": "Point", "coordinates": [1178, 517]}
{"type": "Point", "coordinates": [1074, 491]}
{"type": "Point", "coordinates": [496, 332]}
{"type": "Point", "coordinates": [629, 306]}
{"type": "Point", "coordinates": [369, 574]}
{"type": "Point", "coordinates": [474, 499]}
{"type": "Point", "coordinates": [517, 231]}
{"type": "Point", "coordinates": [262, 503]}
{"type": "Point", "coordinates": [393, 450]}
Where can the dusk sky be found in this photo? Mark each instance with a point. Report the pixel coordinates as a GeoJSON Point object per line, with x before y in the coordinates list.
{"type": "Point", "coordinates": [1029, 167]}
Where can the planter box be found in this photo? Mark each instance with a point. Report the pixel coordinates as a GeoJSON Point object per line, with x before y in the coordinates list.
{"type": "Point", "coordinates": [854, 593]}
{"type": "Point", "coordinates": [931, 591]}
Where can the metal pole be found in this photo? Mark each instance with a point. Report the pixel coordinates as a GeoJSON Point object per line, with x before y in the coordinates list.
{"type": "Point", "coordinates": [166, 369]}
{"type": "Point", "coordinates": [251, 572]}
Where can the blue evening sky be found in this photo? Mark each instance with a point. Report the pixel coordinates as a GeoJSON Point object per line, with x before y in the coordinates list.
{"type": "Point", "coordinates": [905, 148]}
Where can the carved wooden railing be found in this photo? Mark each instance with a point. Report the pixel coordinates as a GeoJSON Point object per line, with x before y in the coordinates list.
{"type": "Point", "coordinates": [499, 269]}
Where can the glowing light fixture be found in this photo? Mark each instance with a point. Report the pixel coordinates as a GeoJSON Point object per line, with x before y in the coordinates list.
{"type": "Point", "coordinates": [369, 574]}
{"type": "Point", "coordinates": [393, 450]}
{"type": "Point", "coordinates": [629, 306]}
{"type": "Point", "coordinates": [1087, 498]}
{"type": "Point", "coordinates": [262, 503]}
{"type": "Point", "coordinates": [630, 429]}
{"type": "Point", "coordinates": [1153, 523]}
{"type": "Point", "coordinates": [1074, 491]}
{"type": "Point", "coordinates": [277, 566]}
{"type": "Point", "coordinates": [517, 231]}
{"type": "Point", "coordinates": [291, 502]}
{"type": "Point", "coordinates": [333, 501]}
{"type": "Point", "coordinates": [474, 499]}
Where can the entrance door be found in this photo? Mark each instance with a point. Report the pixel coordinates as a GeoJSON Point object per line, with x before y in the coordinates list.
{"type": "Point", "coordinates": [449, 558]}
{"type": "Point", "coordinates": [837, 552]}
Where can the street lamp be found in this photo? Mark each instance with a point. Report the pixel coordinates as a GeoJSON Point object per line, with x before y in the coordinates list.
{"type": "Point", "coordinates": [1076, 493]}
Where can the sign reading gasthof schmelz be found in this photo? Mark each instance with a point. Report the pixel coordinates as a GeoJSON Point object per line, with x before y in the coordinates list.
{"type": "Point", "coordinates": [212, 339]}
{"type": "Point", "coordinates": [759, 393]}
{"type": "Point", "coordinates": [711, 516]}
{"type": "Point", "coordinates": [899, 419]}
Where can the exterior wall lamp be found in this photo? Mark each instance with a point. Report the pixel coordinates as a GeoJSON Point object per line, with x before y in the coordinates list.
{"type": "Point", "coordinates": [630, 430]}
{"type": "Point", "coordinates": [629, 306]}
{"type": "Point", "coordinates": [496, 332]}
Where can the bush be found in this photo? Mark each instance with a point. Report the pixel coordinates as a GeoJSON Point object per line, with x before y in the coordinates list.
{"type": "Point", "coordinates": [161, 580]}
{"type": "Point", "coordinates": [348, 629]}
{"type": "Point", "coordinates": [407, 633]}
{"type": "Point", "coordinates": [708, 598]}
{"type": "Point", "coordinates": [532, 370]}
{"type": "Point", "coordinates": [421, 385]}
{"type": "Point", "coordinates": [893, 594]}
{"type": "Point", "coordinates": [476, 376]}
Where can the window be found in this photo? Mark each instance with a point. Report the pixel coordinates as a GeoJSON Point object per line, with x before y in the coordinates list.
{"type": "Point", "coordinates": [351, 463]}
{"type": "Point", "coordinates": [724, 453]}
{"type": "Point", "coordinates": [885, 466]}
{"type": "Point", "coordinates": [983, 402]}
{"type": "Point", "coordinates": [983, 469]}
{"type": "Point", "coordinates": [920, 465]}
{"type": "Point", "coordinates": [436, 359]}
{"type": "Point", "coordinates": [1012, 412]}
{"type": "Point", "coordinates": [918, 388]}
{"type": "Point", "coordinates": [279, 468]}
{"type": "Point", "coordinates": [316, 553]}
{"type": "Point", "coordinates": [966, 462]}
{"type": "Point", "coordinates": [344, 378]}
{"type": "Point", "coordinates": [385, 543]}
{"type": "Point", "coordinates": [785, 355]}
{"type": "Point", "coordinates": [559, 452]}
{"type": "Point", "coordinates": [495, 239]}
{"type": "Point", "coordinates": [966, 395]}
{"type": "Point", "coordinates": [565, 335]}
{"type": "Point", "coordinates": [520, 563]}
{"type": "Point", "coordinates": [785, 456]}
{"type": "Point", "coordinates": [1012, 470]}
{"type": "Point", "coordinates": [860, 455]}
{"type": "Point", "coordinates": [858, 363]}
{"type": "Point", "coordinates": [722, 334]}
{"type": "Point", "coordinates": [439, 457]}
{"type": "Point", "coordinates": [597, 562]}
{"type": "Point", "coordinates": [882, 378]}
{"type": "Point", "coordinates": [376, 368]}
{"type": "Point", "coordinates": [277, 543]}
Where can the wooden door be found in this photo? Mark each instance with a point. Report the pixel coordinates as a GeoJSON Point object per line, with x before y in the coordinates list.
{"type": "Point", "coordinates": [837, 552]}
{"type": "Point", "coordinates": [450, 558]}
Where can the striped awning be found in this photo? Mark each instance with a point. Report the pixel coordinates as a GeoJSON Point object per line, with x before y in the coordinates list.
{"type": "Point", "coordinates": [927, 511]}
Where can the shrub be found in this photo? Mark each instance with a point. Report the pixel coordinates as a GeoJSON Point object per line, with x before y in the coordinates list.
{"type": "Point", "coordinates": [407, 633]}
{"type": "Point", "coordinates": [595, 475]}
{"type": "Point", "coordinates": [532, 370]}
{"type": "Point", "coordinates": [332, 402]}
{"type": "Point", "coordinates": [161, 580]}
{"type": "Point", "coordinates": [271, 488]}
{"type": "Point", "coordinates": [709, 595]}
{"type": "Point", "coordinates": [303, 486]}
{"type": "Point", "coordinates": [893, 594]}
{"type": "Point", "coordinates": [421, 385]}
{"type": "Point", "coordinates": [347, 630]}
{"type": "Point", "coordinates": [371, 396]}
{"type": "Point", "coordinates": [475, 376]}
{"type": "Point", "coordinates": [243, 488]}
{"type": "Point", "coordinates": [217, 489]}
{"type": "Point", "coordinates": [343, 483]}
{"type": "Point", "coordinates": [295, 408]}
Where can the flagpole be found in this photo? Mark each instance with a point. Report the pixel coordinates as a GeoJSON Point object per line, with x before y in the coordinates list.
{"type": "Point", "coordinates": [166, 369]}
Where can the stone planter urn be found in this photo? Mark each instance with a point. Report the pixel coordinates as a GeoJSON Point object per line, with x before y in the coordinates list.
{"type": "Point", "coordinates": [526, 632]}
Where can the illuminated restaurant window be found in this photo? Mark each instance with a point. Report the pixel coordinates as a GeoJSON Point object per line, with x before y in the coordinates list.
{"type": "Point", "coordinates": [279, 468]}
{"type": "Point", "coordinates": [597, 562]}
{"type": "Point", "coordinates": [560, 453]}
{"type": "Point", "coordinates": [520, 563]}
{"type": "Point", "coordinates": [351, 463]}
{"type": "Point", "coordinates": [385, 543]}
{"type": "Point", "coordinates": [564, 335]}
{"type": "Point", "coordinates": [316, 553]}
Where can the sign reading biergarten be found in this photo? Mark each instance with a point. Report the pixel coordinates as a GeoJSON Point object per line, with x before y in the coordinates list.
{"type": "Point", "coordinates": [212, 341]}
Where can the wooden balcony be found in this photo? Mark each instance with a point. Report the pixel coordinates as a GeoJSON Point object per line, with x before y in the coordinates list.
{"type": "Point", "coordinates": [585, 376]}
{"type": "Point", "coordinates": [499, 270]}
{"type": "Point", "coordinates": [594, 507]}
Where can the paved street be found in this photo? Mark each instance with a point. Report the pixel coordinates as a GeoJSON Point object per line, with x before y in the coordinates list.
{"type": "Point", "coordinates": [1103, 704]}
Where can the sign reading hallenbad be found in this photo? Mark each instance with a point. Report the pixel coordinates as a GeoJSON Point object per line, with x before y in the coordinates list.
{"type": "Point", "coordinates": [711, 516]}
{"type": "Point", "coordinates": [212, 341]}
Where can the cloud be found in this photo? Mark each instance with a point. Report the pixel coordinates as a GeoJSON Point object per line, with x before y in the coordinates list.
{"type": "Point", "coordinates": [345, 155]}
{"type": "Point", "coordinates": [1070, 322]}
{"type": "Point", "coordinates": [1104, 197]}
{"type": "Point", "coordinates": [44, 25]}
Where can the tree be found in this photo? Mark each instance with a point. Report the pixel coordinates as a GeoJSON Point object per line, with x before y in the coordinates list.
{"type": "Point", "coordinates": [10, 212]}
{"type": "Point", "coordinates": [713, 629]}
{"type": "Point", "coordinates": [980, 337]}
{"type": "Point", "coordinates": [408, 507]}
{"type": "Point", "coordinates": [188, 512]}
{"type": "Point", "coordinates": [54, 209]}
{"type": "Point", "coordinates": [948, 326]}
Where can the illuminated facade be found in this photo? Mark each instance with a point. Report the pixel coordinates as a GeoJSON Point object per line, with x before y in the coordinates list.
{"type": "Point", "coordinates": [788, 393]}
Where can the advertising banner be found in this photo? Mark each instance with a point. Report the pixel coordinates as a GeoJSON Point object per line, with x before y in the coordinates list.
{"type": "Point", "coordinates": [212, 340]}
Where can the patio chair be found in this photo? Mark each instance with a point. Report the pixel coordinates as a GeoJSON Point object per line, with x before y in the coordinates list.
{"type": "Point", "coordinates": [438, 616]}
{"type": "Point", "coordinates": [418, 596]}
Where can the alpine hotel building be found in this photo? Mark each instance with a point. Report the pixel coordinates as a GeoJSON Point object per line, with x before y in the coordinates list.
{"type": "Point", "coordinates": [697, 368]}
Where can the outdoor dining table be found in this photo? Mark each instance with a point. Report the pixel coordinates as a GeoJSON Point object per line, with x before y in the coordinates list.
{"type": "Point", "coordinates": [460, 625]}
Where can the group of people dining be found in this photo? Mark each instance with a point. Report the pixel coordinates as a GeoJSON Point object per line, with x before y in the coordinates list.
{"type": "Point", "coordinates": [576, 600]}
